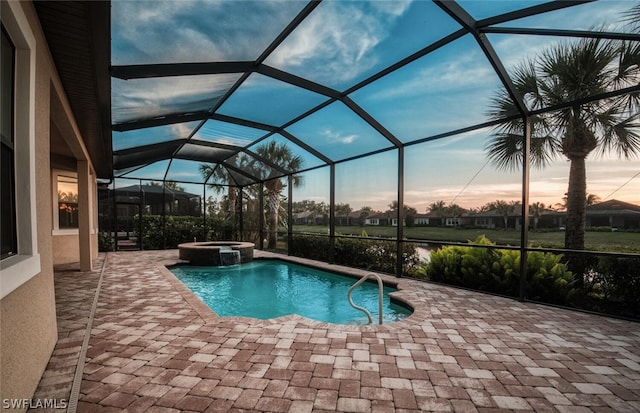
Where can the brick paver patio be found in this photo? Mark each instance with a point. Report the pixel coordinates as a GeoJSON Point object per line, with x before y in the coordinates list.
{"type": "Point", "coordinates": [155, 348]}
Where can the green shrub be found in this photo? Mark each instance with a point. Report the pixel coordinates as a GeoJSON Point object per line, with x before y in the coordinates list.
{"type": "Point", "coordinates": [106, 242]}
{"type": "Point", "coordinates": [159, 233]}
{"type": "Point", "coordinates": [617, 281]}
{"type": "Point", "coordinates": [312, 247]}
{"type": "Point", "coordinates": [498, 271]}
{"type": "Point", "coordinates": [368, 254]}
{"type": "Point", "coordinates": [548, 278]}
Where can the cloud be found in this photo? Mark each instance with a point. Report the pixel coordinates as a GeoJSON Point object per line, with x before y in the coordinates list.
{"type": "Point", "coordinates": [141, 98]}
{"type": "Point", "coordinates": [513, 49]}
{"type": "Point", "coordinates": [464, 70]}
{"type": "Point", "coordinates": [338, 137]}
{"type": "Point", "coordinates": [182, 130]}
{"type": "Point", "coordinates": [196, 31]}
{"type": "Point", "coordinates": [337, 40]}
{"type": "Point", "coordinates": [393, 8]}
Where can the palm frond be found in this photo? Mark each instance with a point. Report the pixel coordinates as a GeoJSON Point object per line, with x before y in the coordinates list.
{"type": "Point", "coordinates": [505, 151]}
{"type": "Point", "coordinates": [632, 18]}
{"type": "Point", "coordinates": [622, 137]}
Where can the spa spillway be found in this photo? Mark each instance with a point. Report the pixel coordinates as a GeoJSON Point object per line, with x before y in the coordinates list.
{"type": "Point", "coordinates": [216, 252]}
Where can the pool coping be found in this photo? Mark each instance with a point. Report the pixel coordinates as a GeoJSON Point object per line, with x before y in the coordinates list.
{"type": "Point", "coordinates": [209, 316]}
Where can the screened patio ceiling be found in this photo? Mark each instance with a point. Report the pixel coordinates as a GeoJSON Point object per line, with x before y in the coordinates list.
{"type": "Point", "coordinates": [211, 82]}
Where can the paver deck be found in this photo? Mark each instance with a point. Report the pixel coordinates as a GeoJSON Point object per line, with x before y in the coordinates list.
{"type": "Point", "coordinates": [156, 348]}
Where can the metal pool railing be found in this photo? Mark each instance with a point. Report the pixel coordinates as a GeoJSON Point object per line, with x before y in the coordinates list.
{"type": "Point", "coordinates": [380, 291]}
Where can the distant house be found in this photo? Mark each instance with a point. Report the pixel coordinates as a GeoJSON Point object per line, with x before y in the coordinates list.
{"type": "Point", "coordinates": [492, 219]}
{"type": "Point", "coordinates": [360, 217]}
{"type": "Point", "coordinates": [309, 218]}
{"type": "Point", "coordinates": [614, 214]}
{"type": "Point", "coordinates": [351, 219]}
{"type": "Point", "coordinates": [378, 218]}
{"type": "Point", "coordinates": [157, 200]}
{"type": "Point", "coordinates": [486, 219]}
{"type": "Point", "coordinates": [426, 219]}
{"type": "Point", "coordinates": [431, 218]}
{"type": "Point", "coordinates": [303, 218]}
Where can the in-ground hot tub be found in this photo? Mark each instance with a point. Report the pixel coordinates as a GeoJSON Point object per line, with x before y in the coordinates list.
{"type": "Point", "coordinates": [208, 253]}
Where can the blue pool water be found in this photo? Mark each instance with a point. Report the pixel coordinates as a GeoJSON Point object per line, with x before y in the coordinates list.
{"type": "Point", "coordinates": [270, 288]}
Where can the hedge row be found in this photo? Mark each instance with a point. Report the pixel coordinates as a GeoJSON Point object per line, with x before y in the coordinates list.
{"type": "Point", "coordinates": [498, 271]}
{"type": "Point", "coordinates": [168, 232]}
{"type": "Point", "coordinates": [374, 255]}
{"type": "Point", "coordinates": [611, 284]}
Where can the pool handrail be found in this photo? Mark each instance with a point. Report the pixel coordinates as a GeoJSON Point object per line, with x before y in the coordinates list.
{"type": "Point", "coordinates": [380, 291]}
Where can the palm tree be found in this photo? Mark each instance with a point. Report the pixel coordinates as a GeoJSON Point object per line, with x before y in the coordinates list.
{"type": "Point", "coordinates": [456, 212]}
{"type": "Point", "coordinates": [281, 155]}
{"type": "Point", "coordinates": [409, 213]}
{"type": "Point", "coordinates": [570, 72]}
{"type": "Point", "coordinates": [410, 216]}
{"type": "Point", "coordinates": [536, 209]}
{"type": "Point", "coordinates": [220, 174]}
{"type": "Point", "coordinates": [440, 209]}
{"type": "Point", "coordinates": [278, 154]}
{"type": "Point", "coordinates": [505, 209]}
{"type": "Point", "coordinates": [592, 199]}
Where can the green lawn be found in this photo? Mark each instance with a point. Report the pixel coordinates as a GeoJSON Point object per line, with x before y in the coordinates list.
{"type": "Point", "coordinates": [597, 241]}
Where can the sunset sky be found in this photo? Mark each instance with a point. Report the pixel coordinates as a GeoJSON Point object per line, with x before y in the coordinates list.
{"type": "Point", "coordinates": [339, 45]}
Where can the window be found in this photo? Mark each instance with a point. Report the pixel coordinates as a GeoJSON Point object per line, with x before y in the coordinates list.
{"type": "Point", "coordinates": [66, 186]}
{"type": "Point", "coordinates": [20, 260]}
{"type": "Point", "coordinates": [482, 222]}
{"type": "Point", "coordinates": [453, 222]}
{"type": "Point", "coordinates": [7, 182]}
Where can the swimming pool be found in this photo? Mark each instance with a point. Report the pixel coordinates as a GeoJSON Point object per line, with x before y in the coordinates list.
{"type": "Point", "coordinates": [267, 289]}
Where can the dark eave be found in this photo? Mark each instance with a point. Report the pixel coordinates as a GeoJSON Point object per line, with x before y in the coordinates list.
{"type": "Point", "coordinates": [79, 38]}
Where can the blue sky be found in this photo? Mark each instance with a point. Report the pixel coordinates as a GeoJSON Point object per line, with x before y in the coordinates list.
{"type": "Point", "coordinates": [339, 45]}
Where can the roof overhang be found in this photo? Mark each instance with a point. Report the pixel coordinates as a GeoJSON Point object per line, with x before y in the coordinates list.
{"type": "Point", "coordinates": [79, 38]}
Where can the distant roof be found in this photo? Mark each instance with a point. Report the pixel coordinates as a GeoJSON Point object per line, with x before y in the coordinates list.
{"type": "Point", "coordinates": [614, 205]}
{"type": "Point", "coordinates": [155, 189]}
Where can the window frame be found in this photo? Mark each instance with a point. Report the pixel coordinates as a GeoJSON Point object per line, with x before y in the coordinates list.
{"type": "Point", "coordinates": [17, 269]}
{"type": "Point", "coordinates": [8, 142]}
{"type": "Point", "coordinates": [55, 173]}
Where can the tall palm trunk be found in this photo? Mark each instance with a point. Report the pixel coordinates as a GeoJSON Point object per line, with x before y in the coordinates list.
{"type": "Point", "coordinates": [576, 205]}
{"type": "Point", "coordinates": [576, 218]}
{"type": "Point", "coordinates": [273, 205]}
{"type": "Point", "coordinates": [232, 197]}
{"type": "Point", "coordinates": [579, 141]}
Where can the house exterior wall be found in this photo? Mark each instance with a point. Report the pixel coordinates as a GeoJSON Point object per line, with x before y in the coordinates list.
{"type": "Point", "coordinates": [28, 328]}
{"type": "Point", "coordinates": [66, 248]}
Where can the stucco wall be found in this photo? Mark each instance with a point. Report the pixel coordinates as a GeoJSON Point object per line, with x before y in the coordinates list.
{"type": "Point", "coordinates": [28, 335]}
{"type": "Point", "coordinates": [28, 330]}
{"type": "Point", "coordinates": [66, 249]}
